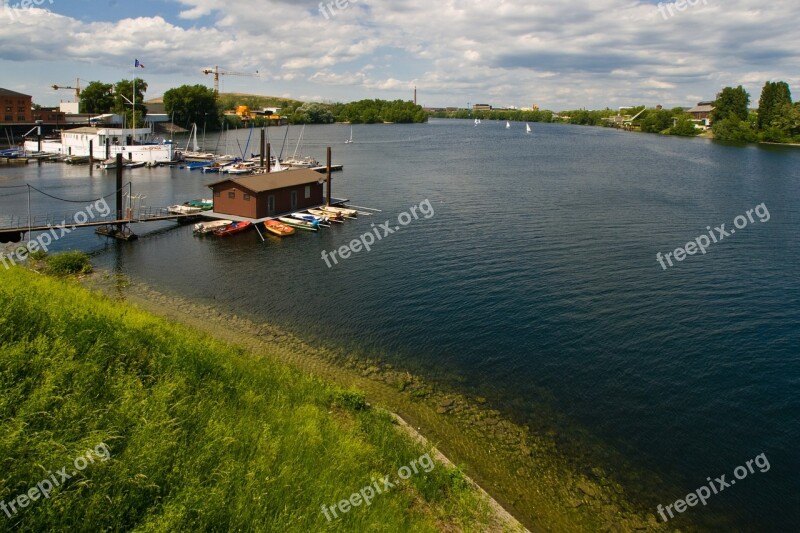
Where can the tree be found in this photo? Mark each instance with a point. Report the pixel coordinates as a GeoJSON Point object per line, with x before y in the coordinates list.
{"type": "Point", "coordinates": [312, 113]}
{"type": "Point", "coordinates": [97, 98]}
{"type": "Point", "coordinates": [193, 104]}
{"type": "Point", "coordinates": [656, 121]}
{"type": "Point", "coordinates": [731, 103]}
{"type": "Point", "coordinates": [734, 129]}
{"type": "Point", "coordinates": [123, 91]}
{"type": "Point", "coordinates": [684, 127]}
{"type": "Point", "coordinates": [774, 96]}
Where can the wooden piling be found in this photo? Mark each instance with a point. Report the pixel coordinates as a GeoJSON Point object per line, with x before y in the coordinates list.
{"type": "Point", "coordinates": [119, 192]}
{"type": "Point", "coordinates": [328, 171]}
{"type": "Point", "coordinates": [262, 148]}
{"type": "Point", "coordinates": [269, 157]}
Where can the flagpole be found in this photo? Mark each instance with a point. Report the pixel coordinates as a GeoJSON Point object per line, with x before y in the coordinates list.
{"type": "Point", "coordinates": [133, 117]}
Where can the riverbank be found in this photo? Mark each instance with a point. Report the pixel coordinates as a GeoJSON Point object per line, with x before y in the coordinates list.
{"type": "Point", "coordinates": [527, 473]}
{"type": "Point", "coordinates": [196, 433]}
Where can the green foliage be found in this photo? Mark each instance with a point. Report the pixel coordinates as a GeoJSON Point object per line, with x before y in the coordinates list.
{"type": "Point", "coordinates": [312, 113]}
{"type": "Point", "coordinates": [38, 255]}
{"type": "Point", "coordinates": [584, 117]}
{"type": "Point", "coordinates": [352, 399]}
{"type": "Point", "coordinates": [684, 127]}
{"type": "Point", "coordinates": [97, 98]}
{"type": "Point", "coordinates": [788, 121]}
{"type": "Point", "coordinates": [774, 96]}
{"type": "Point", "coordinates": [202, 437]}
{"type": "Point", "coordinates": [189, 104]}
{"type": "Point", "coordinates": [656, 121]}
{"type": "Point", "coordinates": [516, 115]}
{"type": "Point", "coordinates": [731, 103]}
{"type": "Point", "coordinates": [67, 263]}
{"type": "Point", "coordinates": [734, 129]}
{"type": "Point", "coordinates": [378, 111]}
{"type": "Point", "coordinates": [256, 103]}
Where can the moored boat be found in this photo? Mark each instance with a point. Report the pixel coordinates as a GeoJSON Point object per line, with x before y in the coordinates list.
{"type": "Point", "coordinates": [301, 224]}
{"type": "Point", "coordinates": [321, 220]}
{"type": "Point", "coordinates": [236, 227]}
{"type": "Point", "coordinates": [203, 228]}
{"type": "Point", "coordinates": [183, 210]}
{"type": "Point", "coordinates": [352, 213]}
{"type": "Point", "coordinates": [278, 228]}
{"type": "Point", "coordinates": [330, 215]}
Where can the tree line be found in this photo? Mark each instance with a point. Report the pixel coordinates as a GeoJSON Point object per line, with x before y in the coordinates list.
{"type": "Point", "coordinates": [777, 119]}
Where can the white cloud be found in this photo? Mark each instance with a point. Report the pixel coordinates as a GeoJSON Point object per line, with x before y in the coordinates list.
{"type": "Point", "coordinates": [557, 54]}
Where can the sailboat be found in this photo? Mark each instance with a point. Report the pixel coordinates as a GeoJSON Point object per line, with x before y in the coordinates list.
{"type": "Point", "coordinates": [477, 121]}
{"type": "Point", "coordinates": [350, 140]}
{"type": "Point", "coordinates": [527, 128]}
{"type": "Point", "coordinates": [508, 125]}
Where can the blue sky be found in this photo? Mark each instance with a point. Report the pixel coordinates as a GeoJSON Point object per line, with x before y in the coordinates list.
{"type": "Point", "coordinates": [558, 55]}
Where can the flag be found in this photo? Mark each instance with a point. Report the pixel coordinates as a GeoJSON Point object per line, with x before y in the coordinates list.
{"type": "Point", "coordinates": [137, 64]}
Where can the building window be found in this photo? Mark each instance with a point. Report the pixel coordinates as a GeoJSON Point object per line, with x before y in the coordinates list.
{"type": "Point", "coordinates": [271, 205]}
{"type": "Point", "coordinates": [9, 118]}
{"type": "Point", "coordinates": [308, 192]}
{"type": "Point", "coordinates": [21, 109]}
{"type": "Point", "coordinates": [21, 118]}
{"type": "Point", "coordinates": [232, 195]}
{"type": "Point", "coordinates": [9, 109]}
{"type": "Point", "coordinates": [246, 197]}
{"type": "Point", "coordinates": [217, 194]}
{"type": "Point", "coordinates": [294, 200]}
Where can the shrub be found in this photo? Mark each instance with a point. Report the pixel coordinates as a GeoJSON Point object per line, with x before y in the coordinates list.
{"type": "Point", "coordinates": [352, 399]}
{"type": "Point", "coordinates": [67, 263]}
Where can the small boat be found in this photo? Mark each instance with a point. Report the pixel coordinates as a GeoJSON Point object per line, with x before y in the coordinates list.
{"type": "Point", "coordinates": [508, 125]}
{"type": "Point", "coordinates": [204, 204]}
{"type": "Point", "coordinates": [217, 166]}
{"type": "Point", "coordinates": [350, 140]}
{"type": "Point", "coordinates": [134, 164]}
{"type": "Point", "coordinates": [351, 213]}
{"type": "Point", "coordinates": [278, 228]}
{"type": "Point", "coordinates": [233, 229]}
{"type": "Point", "coordinates": [330, 215]}
{"type": "Point", "coordinates": [528, 128]}
{"type": "Point", "coordinates": [183, 210]}
{"type": "Point", "coordinates": [197, 164]}
{"type": "Point", "coordinates": [301, 224]}
{"type": "Point", "coordinates": [240, 168]}
{"type": "Point", "coordinates": [108, 164]}
{"type": "Point", "coordinates": [203, 228]}
{"type": "Point", "coordinates": [321, 220]}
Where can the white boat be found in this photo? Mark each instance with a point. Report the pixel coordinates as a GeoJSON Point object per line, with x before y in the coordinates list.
{"type": "Point", "coordinates": [309, 217]}
{"type": "Point", "coordinates": [203, 228]}
{"type": "Point", "coordinates": [302, 224]}
{"type": "Point", "coordinates": [340, 210]}
{"type": "Point", "coordinates": [108, 164]}
{"type": "Point", "coordinates": [527, 128]}
{"type": "Point", "coordinates": [75, 143]}
{"type": "Point", "coordinates": [301, 161]}
{"type": "Point", "coordinates": [350, 140]}
{"type": "Point", "coordinates": [477, 121]}
{"type": "Point", "coordinates": [183, 210]}
{"type": "Point", "coordinates": [239, 168]}
{"type": "Point", "coordinates": [508, 125]}
{"type": "Point", "coordinates": [329, 216]}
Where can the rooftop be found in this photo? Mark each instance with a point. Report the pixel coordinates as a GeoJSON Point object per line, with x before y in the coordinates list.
{"type": "Point", "coordinates": [274, 180]}
{"type": "Point", "coordinates": [14, 94]}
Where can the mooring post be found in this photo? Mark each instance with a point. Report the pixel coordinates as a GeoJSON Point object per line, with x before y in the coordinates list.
{"type": "Point", "coordinates": [262, 148]}
{"type": "Point", "coordinates": [119, 191]}
{"type": "Point", "coordinates": [108, 150]}
{"type": "Point", "coordinates": [328, 170]}
{"type": "Point", "coordinates": [269, 159]}
{"type": "Point", "coordinates": [91, 154]}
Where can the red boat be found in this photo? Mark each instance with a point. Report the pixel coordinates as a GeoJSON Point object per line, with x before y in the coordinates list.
{"type": "Point", "coordinates": [233, 229]}
{"type": "Point", "coordinates": [278, 228]}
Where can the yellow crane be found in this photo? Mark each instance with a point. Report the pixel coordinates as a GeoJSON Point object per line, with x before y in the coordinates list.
{"type": "Point", "coordinates": [77, 89]}
{"type": "Point", "coordinates": [217, 73]}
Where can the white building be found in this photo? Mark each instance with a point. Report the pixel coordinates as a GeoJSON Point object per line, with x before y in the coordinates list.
{"type": "Point", "coordinates": [120, 140]}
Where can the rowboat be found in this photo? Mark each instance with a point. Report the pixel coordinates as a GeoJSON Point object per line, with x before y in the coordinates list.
{"type": "Point", "coordinates": [340, 210]}
{"type": "Point", "coordinates": [278, 228]}
{"type": "Point", "coordinates": [203, 228]}
{"type": "Point", "coordinates": [239, 168]}
{"type": "Point", "coordinates": [233, 229]}
{"type": "Point", "coordinates": [197, 164]}
{"type": "Point", "coordinates": [134, 164]}
{"type": "Point", "coordinates": [330, 215]}
{"type": "Point", "coordinates": [203, 203]}
{"type": "Point", "coordinates": [300, 224]}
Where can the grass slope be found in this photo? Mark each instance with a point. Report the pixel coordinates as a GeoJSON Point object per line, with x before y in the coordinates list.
{"type": "Point", "coordinates": [201, 435]}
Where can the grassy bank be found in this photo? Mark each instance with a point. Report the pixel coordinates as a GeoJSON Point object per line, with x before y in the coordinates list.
{"type": "Point", "coordinates": [200, 434]}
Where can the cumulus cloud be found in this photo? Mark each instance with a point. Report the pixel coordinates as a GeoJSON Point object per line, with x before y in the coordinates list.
{"type": "Point", "coordinates": [557, 54]}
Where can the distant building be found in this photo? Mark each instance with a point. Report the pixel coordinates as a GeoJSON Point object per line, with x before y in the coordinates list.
{"type": "Point", "coordinates": [260, 196]}
{"type": "Point", "coordinates": [16, 107]}
{"type": "Point", "coordinates": [69, 108]}
{"type": "Point", "coordinates": [481, 107]}
{"type": "Point", "coordinates": [49, 115]}
{"type": "Point", "coordinates": [702, 110]}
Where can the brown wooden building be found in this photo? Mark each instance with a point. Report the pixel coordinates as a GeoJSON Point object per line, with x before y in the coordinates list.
{"type": "Point", "coordinates": [260, 196]}
{"type": "Point", "coordinates": [15, 107]}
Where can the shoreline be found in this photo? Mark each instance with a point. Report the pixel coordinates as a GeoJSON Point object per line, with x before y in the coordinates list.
{"type": "Point", "coordinates": [523, 474]}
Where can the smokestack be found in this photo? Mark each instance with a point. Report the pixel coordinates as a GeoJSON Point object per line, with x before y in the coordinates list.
{"type": "Point", "coordinates": [415, 95]}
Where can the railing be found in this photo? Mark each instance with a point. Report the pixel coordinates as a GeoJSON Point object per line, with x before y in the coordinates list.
{"type": "Point", "coordinates": [142, 214]}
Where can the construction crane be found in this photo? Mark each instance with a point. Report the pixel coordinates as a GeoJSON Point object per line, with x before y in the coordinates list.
{"type": "Point", "coordinates": [77, 89]}
{"type": "Point", "coordinates": [217, 73]}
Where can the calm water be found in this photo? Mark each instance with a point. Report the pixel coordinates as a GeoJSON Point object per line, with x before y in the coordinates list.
{"type": "Point", "coordinates": [535, 281]}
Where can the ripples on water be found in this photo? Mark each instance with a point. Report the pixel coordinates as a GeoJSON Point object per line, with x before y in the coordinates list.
{"type": "Point", "coordinates": [537, 278]}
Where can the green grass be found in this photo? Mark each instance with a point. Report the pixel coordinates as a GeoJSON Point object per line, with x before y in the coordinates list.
{"type": "Point", "coordinates": [202, 436]}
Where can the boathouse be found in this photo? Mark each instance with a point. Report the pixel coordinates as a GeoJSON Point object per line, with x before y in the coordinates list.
{"type": "Point", "coordinates": [259, 196]}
